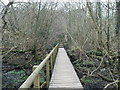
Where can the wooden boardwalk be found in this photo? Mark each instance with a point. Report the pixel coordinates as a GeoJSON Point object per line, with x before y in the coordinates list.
{"type": "Point", "coordinates": [64, 76]}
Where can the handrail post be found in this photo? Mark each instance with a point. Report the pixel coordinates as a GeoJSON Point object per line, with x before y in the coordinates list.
{"type": "Point", "coordinates": [47, 73]}
{"type": "Point", "coordinates": [36, 83]}
{"type": "Point", "coordinates": [55, 54]}
{"type": "Point", "coordinates": [56, 51]}
{"type": "Point", "coordinates": [51, 62]}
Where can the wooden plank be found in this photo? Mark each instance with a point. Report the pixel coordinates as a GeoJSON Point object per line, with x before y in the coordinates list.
{"type": "Point", "coordinates": [64, 75]}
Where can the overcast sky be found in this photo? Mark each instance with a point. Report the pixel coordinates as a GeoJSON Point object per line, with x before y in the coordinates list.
{"type": "Point", "coordinates": [6, 1]}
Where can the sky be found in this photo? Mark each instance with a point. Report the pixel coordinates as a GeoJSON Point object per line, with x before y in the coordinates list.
{"type": "Point", "coordinates": [6, 1]}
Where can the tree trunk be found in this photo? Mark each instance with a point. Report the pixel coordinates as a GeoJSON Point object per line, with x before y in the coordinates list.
{"type": "Point", "coordinates": [118, 35]}
{"type": "Point", "coordinates": [98, 20]}
{"type": "Point", "coordinates": [118, 18]}
{"type": "Point", "coordinates": [108, 31]}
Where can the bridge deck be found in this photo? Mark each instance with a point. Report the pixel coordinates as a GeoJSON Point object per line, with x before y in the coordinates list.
{"type": "Point", "coordinates": [64, 75]}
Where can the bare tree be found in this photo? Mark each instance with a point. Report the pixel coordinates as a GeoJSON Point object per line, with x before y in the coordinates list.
{"type": "Point", "coordinates": [98, 20]}
{"type": "Point", "coordinates": [118, 34]}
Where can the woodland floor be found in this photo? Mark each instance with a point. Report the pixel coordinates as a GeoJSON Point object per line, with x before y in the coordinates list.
{"type": "Point", "coordinates": [17, 67]}
{"type": "Point", "coordinates": [101, 77]}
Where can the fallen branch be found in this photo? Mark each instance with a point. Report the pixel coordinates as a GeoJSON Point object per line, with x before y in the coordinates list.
{"type": "Point", "coordinates": [116, 81]}
{"type": "Point", "coordinates": [105, 78]}
{"type": "Point", "coordinates": [9, 51]}
{"type": "Point", "coordinates": [112, 77]}
{"type": "Point", "coordinates": [43, 84]}
{"type": "Point", "coordinates": [13, 68]}
{"type": "Point", "coordinates": [96, 57]}
{"type": "Point", "coordinates": [19, 66]}
{"type": "Point", "coordinates": [98, 66]}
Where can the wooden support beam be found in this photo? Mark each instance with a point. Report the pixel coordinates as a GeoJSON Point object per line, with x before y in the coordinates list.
{"type": "Point", "coordinates": [36, 83]}
{"type": "Point", "coordinates": [51, 62]}
{"type": "Point", "coordinates": [55, 54]}
{"type": "Point", "coordinates": [47, 73]}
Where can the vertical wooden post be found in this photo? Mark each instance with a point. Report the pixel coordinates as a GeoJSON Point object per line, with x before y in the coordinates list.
{"type": "Point", "coordinates": [51, 62]}
{"type": "Point", "coordinates": [54, 56]}
{"type": "Point", "coordinates": [36, 83]}
{"type": "Point", "coordinates": [47, 73]}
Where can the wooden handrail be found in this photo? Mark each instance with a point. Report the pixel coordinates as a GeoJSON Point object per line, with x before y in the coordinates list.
{"type": "Point", "coordinates": [29, 81]}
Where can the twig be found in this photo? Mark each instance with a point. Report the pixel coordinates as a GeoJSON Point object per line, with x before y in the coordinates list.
{"type": "Point", "coordinates": [2, 2]}
{"type": "Point", "coordinates": [5, 10]}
